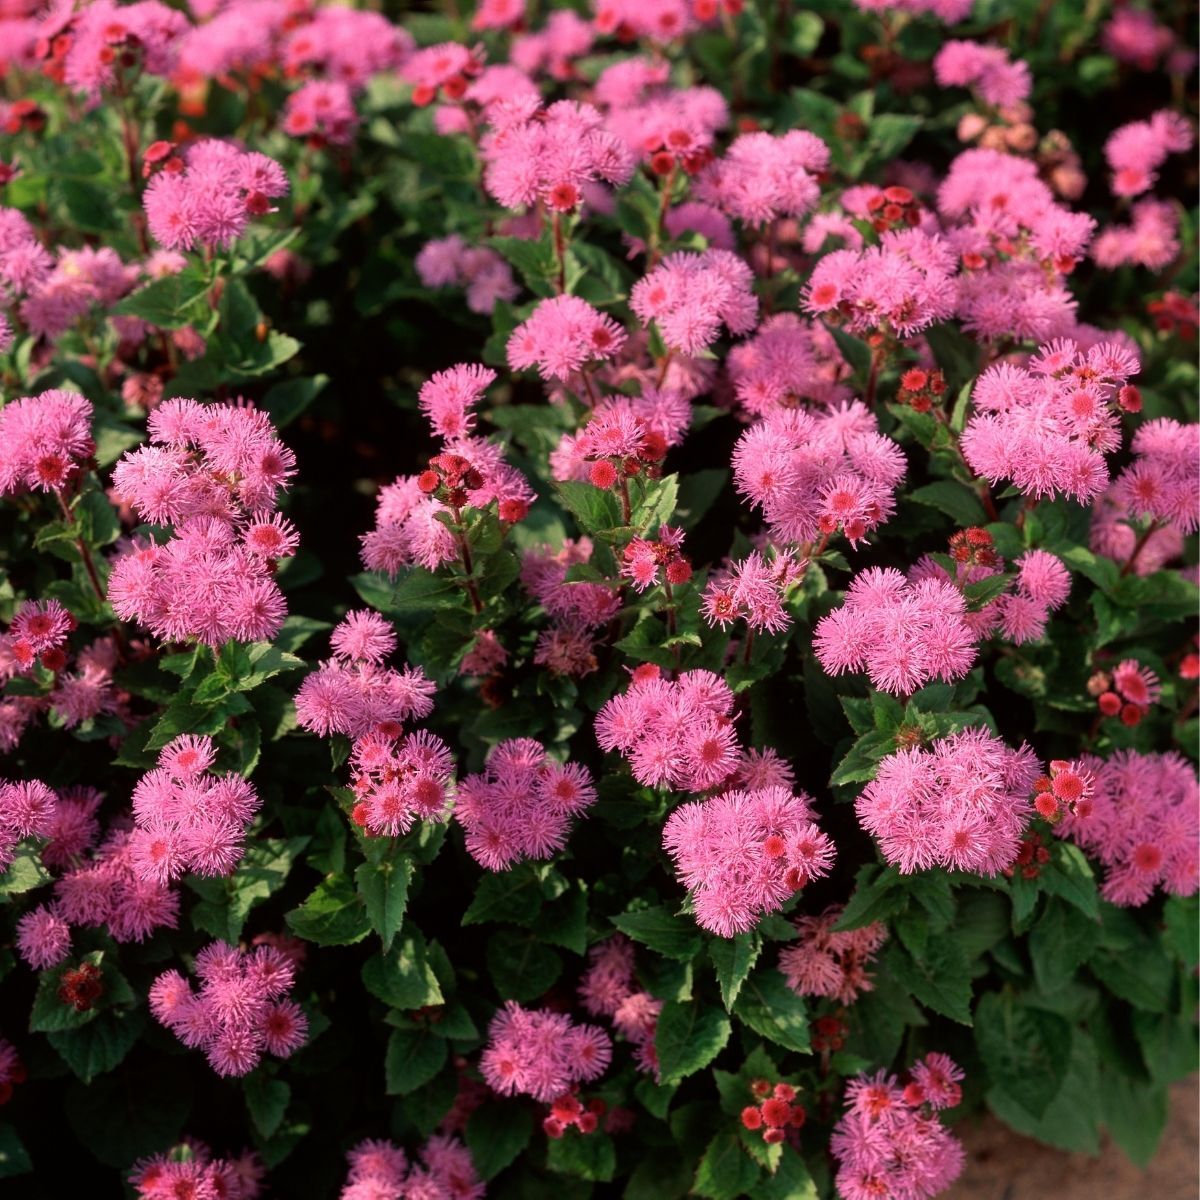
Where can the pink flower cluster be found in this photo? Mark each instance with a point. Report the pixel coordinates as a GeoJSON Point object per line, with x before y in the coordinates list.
{"type": "Point", "coordinates": [1048, 425]}
{"type": "Point", "coordinates": [322, 113]}
{"type": "Point", "coordinates": [398, 778]}
{"type": "Point", "coordinates": [187, 818]}
{"type": "Point", "coordinates": [543, 1054]}
{"type": "Point", "coordinates": [962, 804]}
{"type": "Point", "coordinates": [903, 634]}
{"type": "Point", "coordinates": [520, 806]}
{"type": "Point", "coordinates": [468, 473]}
{"type": "Point", "coordinates": [900, 287]}
{"type": "Point", "coordinates": [786, 360]}
{"type": "Point", "coordinates": [450, 262]}
{"type": "Point", "coordinates": [647, 562]}
{"type": "Point", "coordinates": [987, 69]}
{"type": "Point", "coordinates": [561, 337]}
{"type": "Point", "coordinates": [1142, 821]}
{"type": "Point", "coordinates": [211, 197]}
{"type": "Point", "coordinates": [608, 989]}
{"type": "Point", "coordinates": [239, 1013]}
{"type": "Point", "coordinates": [753, 591]}
{"type": "Point", "coordinates": [814, 473]}
{"type": "Point", "coordinates": [743, 854]}
{"type": "Point", "coordinates": [1163, 481]}
{"type": "Point", "coordinates": [690, 296]}
{"type": "Point", "coordinates": [552, 155]}
{"type": "Point", "coordinates": [102, 889]}
{"type": "Point", "coordinates": [575, 609]}
{"type": "Point", "coordinates": [1150, 240]}
{"type": "Point", "coordinates": [26, 810]}
{"type": "Point", "coordinates": [761, 177]}
{"type": "Point", "coordinates": [1115, 533]}
{"type": "Point", "coordinates": [192, 1171]}
{"type": "Point", "coordinates": [380, 1170]}
{"type": "Point", "coordinates": [674, 733]}
{"type": "Point", "coordinates": [890, 1143]}
{"type": "Point", "coordinates": [1136, 151]}
{"type": "Point", "coordinates": [75, 696]}
{"type": "Point", "coordinates": [44, 440]}
{"type": "Point", "coordinates": [1134, 35]}
{"type": "Point", "coordinates": [830, 963]}
{"type": "Point", "coordinates": [212, 471]}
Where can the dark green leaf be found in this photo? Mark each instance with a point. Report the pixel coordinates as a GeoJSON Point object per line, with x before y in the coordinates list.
{"type": "Point", "coordinates": [688, 1037]}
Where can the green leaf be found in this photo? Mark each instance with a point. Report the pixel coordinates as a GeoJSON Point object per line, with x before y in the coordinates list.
{"type": "Point", "coordinates": [101, 1045]}
{"type": "Point", "coordinates": [940, 979]}
{"type": "Point", "coordinates": [521, 967]}
{"type": "Point", "coordinates": [533, 259]}
{"type": "Point", "coordinates": [726, 1171]}
{"type": "Point", "coordinates": [1060, 942]}
{"type": "Point", "coordinates": [14, 1158]}
{"type": "Point", "coordinates": [664, 931]}
{"type": "Point", "coordinates": [590, 1156]}
{"type": "Point", "coordinates": [171, 302]}
{"type": "Point", "coordinates": [226, 903]}
{"type": "Point", "coordinates": [1135, 1113]}
{"type": "Point", "coordinates": [564, 922]}
{"type": "Point", "coordinates": [768, 1006]}
{"type": "Point", "coordinates": [688, 1037]}
{"type": "Point", "coordinates": [333, 915]}
{"type": "Point", "coordinates": [1070, 876]}
{"type": "Point", "coordinates": [266, 1102]}
{"type": "Point", "coordinates": [791, 1181]}
{"type": "Point", "coordinates": [734, 959]}
{"type": "Point", "coordinates": [24, 873]}
{"type": "Point", "coordinates": [1025, 1050]}
{"type": "Point", "coordinates": [877, 896]}
{"type": "Point", "coordinates": [862, 759]}
{"type": "Point", "coordinates": [403, 977]}
{"type": "Point", "coordinates": [1181, 918]}
{"type": "Point", "coordinates": [854, 350]}
{"type": "Point", "coordinates": [496, 1133]}
{"type": "Point", "coordinates": [414, 1057]}
{"type": "Point", "coordinates": [417, 592]}
{"type": "Point", "coordinates": [514, 895]}
{"type": "Point", "coordinates": [383, 887]}
{"type": "Point", "coordinates": [956, 500]}
{"type": "Point", "coordinates": [594, 509]}
{"type": "Point", "coordinates": [286, 401]}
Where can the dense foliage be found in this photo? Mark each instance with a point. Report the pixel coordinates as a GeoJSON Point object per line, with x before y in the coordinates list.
{"type": "Point", "coordinates": [593, 601]}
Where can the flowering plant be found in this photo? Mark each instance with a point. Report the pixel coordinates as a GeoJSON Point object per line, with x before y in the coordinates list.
{"type": "Point", "coordinates": [592, 596]}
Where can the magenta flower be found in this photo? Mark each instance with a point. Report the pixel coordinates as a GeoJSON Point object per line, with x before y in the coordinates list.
{"type": "Point", "coordinates": [520, 806]}
{"type": "Point", "coordinates": [962, 804]}
{"type": "Point", "coordinates": [188, 819]}
{"type": "Point", "coordinates": [987, 69]}
{"type": "Point", "coordinates": [829, 963]}
{"type": "Point", "coordinates": [561, 337]}
{"type": "Point", "coordinates": [240, 1011]}
{"type": "Point", "coordinates": [43, 441]}
{"type": "Point", "coordinates": [380, 1170]}
{"type": "Point", "coordinates": [902, 634]}
{"type": "Point", "coordinates": [890, 1142]}
{"type": "Point", "coordinates": [690, 296]}
{"type": "Point", "coordinates": [1142, 821]}
{"type": "Point", "coordinates": [539, 1053]}
{"type": "Point", "coordinates": [744, 854]}
{"type": "Point", "coordinates": [1136, 151]}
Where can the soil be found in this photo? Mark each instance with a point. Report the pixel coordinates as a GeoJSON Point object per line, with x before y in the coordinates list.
{"type": "Point", "coordinates": [1002, 1165]}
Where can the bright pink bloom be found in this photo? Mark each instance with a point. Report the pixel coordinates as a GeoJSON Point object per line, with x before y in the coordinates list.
{"type": "Point", "coordinates": [450, 262]}
{"type": "Point", "coordinates": [43, 441]}
{"type": "Point", "coordinates": [561, 336]}
{"type": "Point", "coordinates": [1142, 821]}
{"type": "Point", "coordinates": [520, 806]}
{"type": "Point", "coordinates": [43, 938]}
{"type": "Point", "coordinates": [379, 1170]}
{"type": "Point", "coordinates": [1136, 150]}
{"type": "Point", "coordinates": [744, 854]}
{"type": "Point", "coordinates": [690, 296]}
{"type": "Point", "coordinates": [962, 804]}
{"type": "Point", "coordinates": [321, 113]}
{"type": "Point", "coordinates": [539, 1053]}
{"type": "Point", "coordinates": [998, 81]}
{"type": "Point", "coordinates": [762, 177]}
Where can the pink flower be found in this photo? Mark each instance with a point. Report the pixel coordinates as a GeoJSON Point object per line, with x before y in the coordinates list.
{"type": "Point", "coordinates": [690, 296]}
{"type": "Point", "coordinates": [962, 804]}
{"type": "Point", "coordinates": [1136, 150]}
{"type": "Point", "coordinates": [987, 69]}
{"type": "Point", "coordinates": [43, 441]}
{"type": "Point", "coordinates": [450, 262]}
{"type": "Point", "coordinates": [447, 398]}
{"type": "Point", "coordinates": [322, 113]}
{"type": "Point", "coordinates": [830, 963]}
{"type": "Point", "coordinates": [539, 1053]}
{"type": "Point", "coordinates": [561, 336]}
{"type": "Point", "coordinates": [379, 1170]}
{"type": "Point", "coordinates": [239, 1012]}
{"type": "Point", "coordinates": [188, 819]}
{"type": "Point", "coordinates": [1163, 482]}
{"type": "Point", "coordinates": [521, 805]}
{"type": "Point", "coordinates": [762, 177]}
{"type": "Point", "coordinates": [43, 938]}
{"type": "Point", "coordinates": [1150, 240]}
{"type": "Point", "coordinates": [889, 1142]}
{"type": "Point", "coordinates": [744, 854]}
{"type": "Point", "coordinates": [1142, 821]}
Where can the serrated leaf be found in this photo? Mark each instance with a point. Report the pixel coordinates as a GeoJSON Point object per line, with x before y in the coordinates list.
{"type": "Point", "coordinates": [414, 1057]}
{"type": "Point", "coordinates": [768, 1006]}
{"type": "Point", "coordinates": [1025, 1050]}
{"type": "Point", "coordinates": [333, 915]}
{"type": "Point", "coordinates": [664, 931]}
{"type": "Point", "coordinates": [514, 895]}
{"type": "Point", "coordinates": [940, 980]}
{"type": "Point", "coordinates": [496, 1133]}
{"type": "Point", "coordinates": [688, 1037]}
{"type": "Point", "coordinates": [734, 959]}
{"type": "Point", "coordinates": [383, 887]}
{"type": "Point", "coordinates": [266, 1102]}
{"type": "Point", "coordinates": [726, 1171]}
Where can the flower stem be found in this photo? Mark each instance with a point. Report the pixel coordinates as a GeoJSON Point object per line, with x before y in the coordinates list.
{"type": "Point", "coordinates": [1140, 545]}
